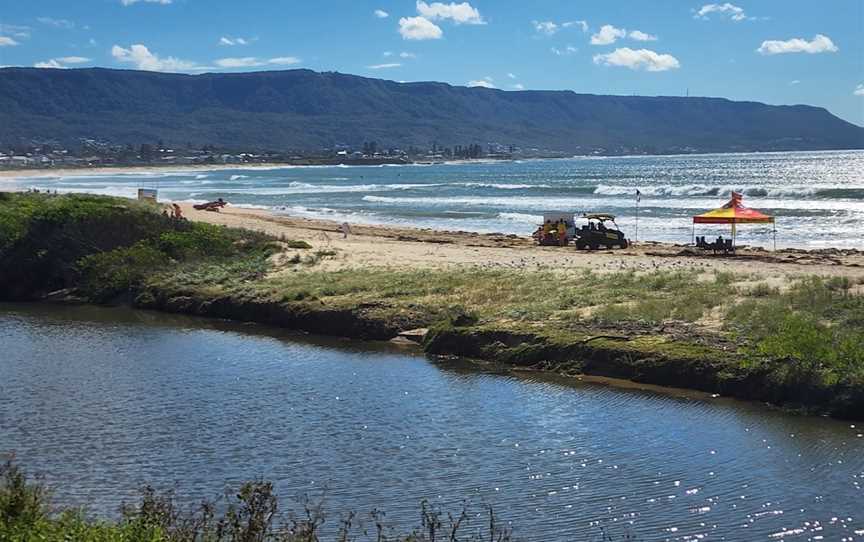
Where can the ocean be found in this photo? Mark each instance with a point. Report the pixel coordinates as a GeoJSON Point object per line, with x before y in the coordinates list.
{"type": "Point", "coordinates": [817, 197]}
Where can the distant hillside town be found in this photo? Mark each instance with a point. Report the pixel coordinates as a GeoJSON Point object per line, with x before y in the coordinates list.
{"type": "Point", "coordinates": [95, 153]}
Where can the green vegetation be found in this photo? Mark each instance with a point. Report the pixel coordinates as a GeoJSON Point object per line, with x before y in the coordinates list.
{"type": "Point", "coordinates": [250, 514]}
{"type": "Point", "coordinates": [106, 247]}
{"type": "Point", "coordinates": [818, 326]}
{"type": "Point", "coordinates": [205, 253]}
{"type": "Point", "coordinates": [719, 332]}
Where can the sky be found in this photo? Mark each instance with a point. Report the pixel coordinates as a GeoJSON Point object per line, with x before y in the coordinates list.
{"type": "Point", "coordinates": [772, 51]}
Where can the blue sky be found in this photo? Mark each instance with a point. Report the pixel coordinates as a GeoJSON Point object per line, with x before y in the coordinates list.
{"type": "Point", "coordinates": [778, 52]}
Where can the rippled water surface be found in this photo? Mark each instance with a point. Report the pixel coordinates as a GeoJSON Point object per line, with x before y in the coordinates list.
{"type": "Point", "coordinates": [818, 197]}
{"type": "Point", "coordinates": [102, 401]}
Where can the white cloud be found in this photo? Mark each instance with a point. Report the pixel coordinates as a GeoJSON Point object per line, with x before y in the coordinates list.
{"type": "Point", "coordinates": [819, 44]}
{"type": "Point", "coordinates": [511, 75]}
{"type": "Point", "coordinates": [640, 59]}
{"type": "Point", "coordinates": [384, 66]}
{"type": "Point", "coordinates": [545, 27]}
{"type": "Point", "coordinates": [607, 34]}
{"type": "Point", "coordinates": [518, 86]}
{"type": "Point", "coordinates": [49, 64]}
{"type": "Point", "coordinates": [581, 24]}
{"type": "Point", "coordinates": [419, 28]}
{"type": "Point", "coordinates": [551, 27]}
{"type": "Point", "coordinates": [462, 13]}
{"type": "Point", "coordinates": [859, 90]}
{"type": "Point", "coordinates": [57, 23]}
{"type": "Point", "coordinates": [73, 59]}
{"type": "Point", "coordinates": [405, 54]}
{"type": "Point", "coordinates": [61, 62]}
{"type": "Point", "coordinates": [727, 10]}
{"type": "Point", "coordinates": [381, 14]}
{"type": "Point", "coordinates": [795, 82]}
{"type": "Point", "coordinates": [569, 50]}
{"type": "Point", "coordinates": [225, 40]}
{"type": "Point", "coordinates": [140, 56]}
{"type": "Point", "coordinates": [130, 2]}
{"type": "Point", "coordinates": [244, 62]}
{"type": "Point", "coordinates": [638, 35]}
{"type": "Point", "coordinates": [254, 62]}
{"type": "Point", "coordinates": [6, 41]}
{"type": "Point", "coordinates": [15, 31]}
{"type": "Point", "coordinates": [284, 61]}
{"type": "Point", "coordinates": [485, 83]}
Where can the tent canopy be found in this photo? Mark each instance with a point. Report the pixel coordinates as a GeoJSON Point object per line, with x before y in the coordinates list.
{"type": "Point", "coordinates": [733, 213]}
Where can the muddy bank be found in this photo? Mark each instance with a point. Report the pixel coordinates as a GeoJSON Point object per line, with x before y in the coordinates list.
{"type": "Point", "coordinates": [654, 359]}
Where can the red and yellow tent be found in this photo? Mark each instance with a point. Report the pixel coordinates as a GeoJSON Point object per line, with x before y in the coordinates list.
{"type": "Point", "coordinates": [735, 213]}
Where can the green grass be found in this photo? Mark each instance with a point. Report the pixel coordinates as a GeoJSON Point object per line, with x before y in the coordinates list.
{"type": "Point", "coordinates": [817, 326]}
{"type": "Point", "coordinates": [494, 295]}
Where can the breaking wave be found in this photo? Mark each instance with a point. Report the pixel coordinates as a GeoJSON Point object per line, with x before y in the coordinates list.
{"type": "Point", "coordinates": [521, 218]}
{"type": "Point", "coordinates": [725, 191]}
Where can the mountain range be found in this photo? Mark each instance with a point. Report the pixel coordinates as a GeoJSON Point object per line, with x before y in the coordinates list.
{"type": "Point", "coordinates": [304, 110]}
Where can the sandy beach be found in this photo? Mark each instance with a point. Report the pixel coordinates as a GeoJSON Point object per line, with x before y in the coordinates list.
{"type": "Point", "coordinates": [393, 247]}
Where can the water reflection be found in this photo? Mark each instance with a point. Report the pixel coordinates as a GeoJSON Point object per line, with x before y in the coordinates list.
{"type": "Point", "coordinates": [102, 401]}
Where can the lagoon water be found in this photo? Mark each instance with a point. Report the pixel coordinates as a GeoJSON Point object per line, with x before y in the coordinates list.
{"type": "Point", "coordinates": [818, 197]}
{"type": "Point", "coordinates": [102, 401]}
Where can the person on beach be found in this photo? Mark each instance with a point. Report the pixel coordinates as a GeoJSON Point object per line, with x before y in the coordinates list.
{"type": "Point", "coordinates": [562, 233]}
{"type": "Point", "coordinates": [538, 234]}
{"type": "Point", "coordinates": [345, 228]}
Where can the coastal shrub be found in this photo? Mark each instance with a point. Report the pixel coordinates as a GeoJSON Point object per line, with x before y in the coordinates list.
{"type": "Point", "coordinates": [195, 241]}
{"type": "Point", "coordinates": [252, 513]}
{"type": "Point", "coordinates": [799, 337]}
{"type": "Point", "coordinates": [298, 244]}
{"type": "Point", "coordinates": [108, 274]}
{"type": "Point", "coordinates": [107, 245]}
{"type": "Point", "coordinates": [317, 256]}
{"type": "Point", "coordinates": [815, 326]}
{"type": "Point", "coordinates": [763, 289]}
{"type": "Point", "coordinates": [21, 501]}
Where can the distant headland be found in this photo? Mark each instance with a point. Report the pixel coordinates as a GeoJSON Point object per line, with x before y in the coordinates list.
{"type": "Point", "coordinates": [129, 117]}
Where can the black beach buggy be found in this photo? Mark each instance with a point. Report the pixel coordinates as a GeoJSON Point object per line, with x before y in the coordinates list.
{"type": "Point", "coordinates": [596, 234]}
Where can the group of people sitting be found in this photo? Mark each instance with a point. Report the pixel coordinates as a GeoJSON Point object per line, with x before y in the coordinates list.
{"type": "Point", "coordinates": [174, 211]}
{"type": "Point", "coordinates": [598, 227]}
{"type": "Point", "coordinates": [552, 233]}
{"type": "Point", "coordinates": [720, 245]}
{"type": "Point", "coordinates": [211, 205]}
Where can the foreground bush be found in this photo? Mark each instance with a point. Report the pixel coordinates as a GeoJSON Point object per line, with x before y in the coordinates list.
{"type": "Point", "coordinates": [252, 514]}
